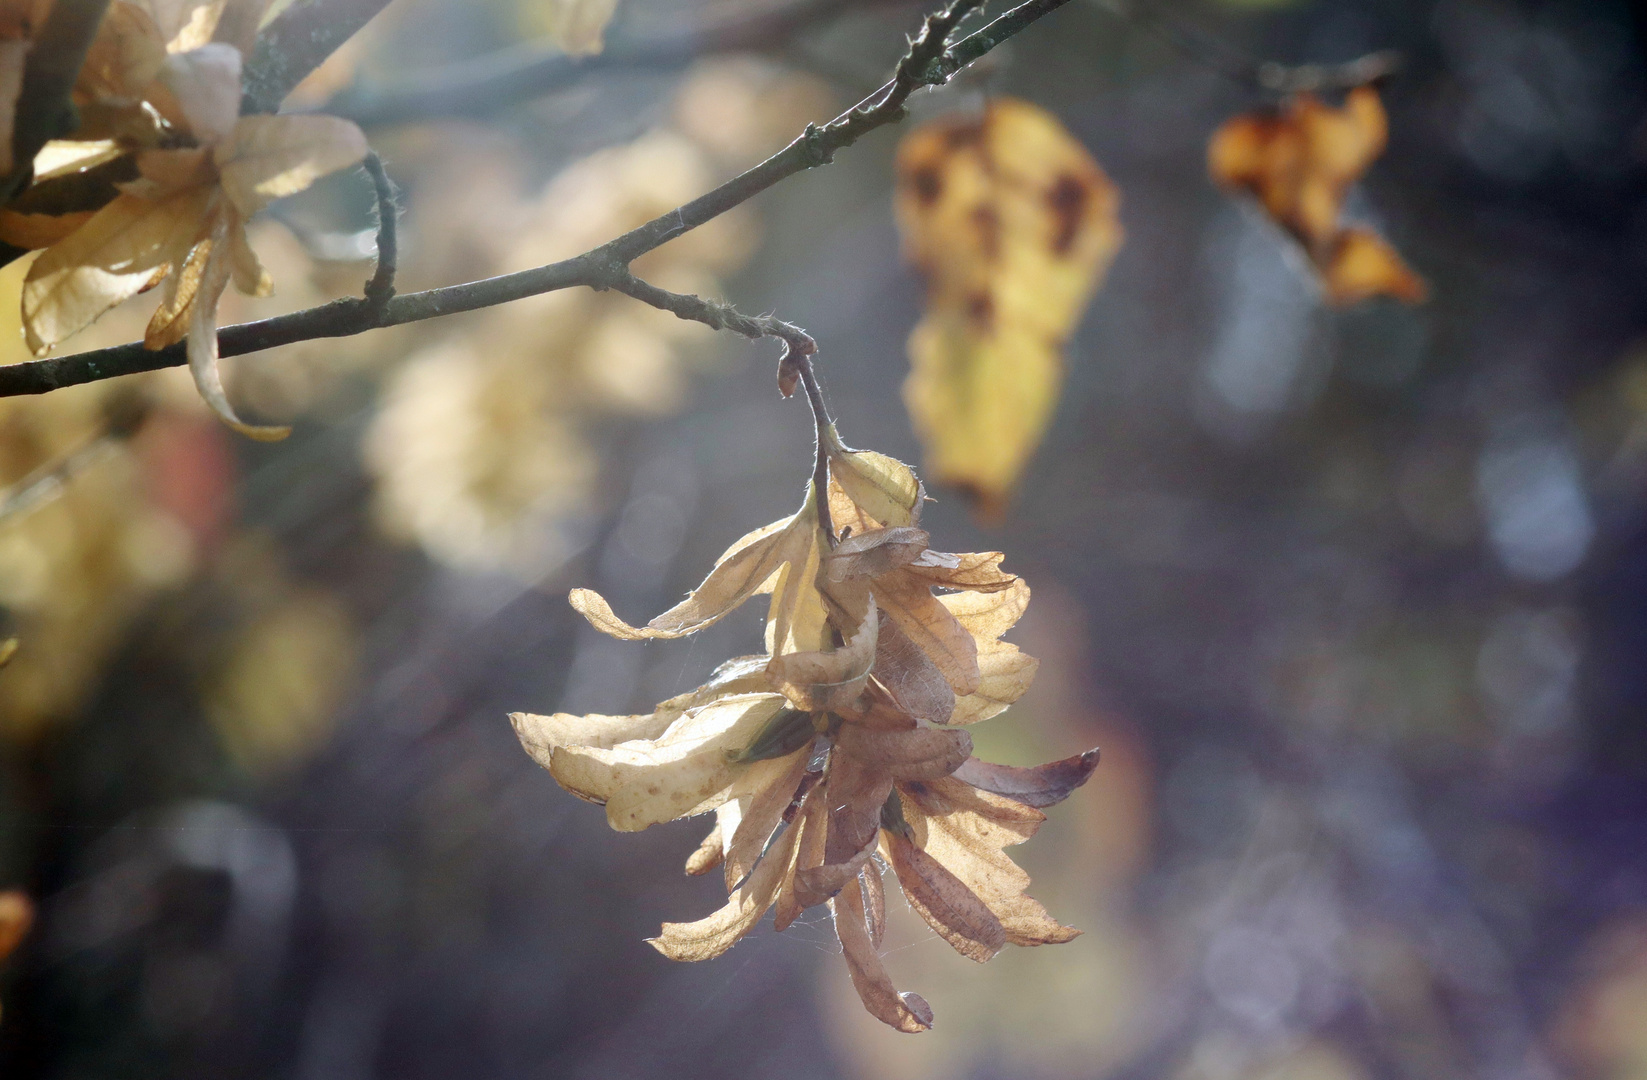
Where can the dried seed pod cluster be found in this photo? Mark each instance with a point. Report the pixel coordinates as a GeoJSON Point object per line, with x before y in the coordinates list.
{"type": "Point", "coordinates": [841, 748]}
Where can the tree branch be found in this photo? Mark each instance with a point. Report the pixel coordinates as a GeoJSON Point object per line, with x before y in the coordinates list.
{"type": "Point", "coordinates": [489, 84]}
{"type": "Point", "coordinates": [799, 349]}
{"type": "Point", "coordinates": [928, 63]}
{"type": "Point", "coordinates": [1266, 75]}
{"type": "Point", "coordinates": [381, 288]}
{"type": "Point", "coordinates": [295, 43]}
{"type": "Point", "coordinates": [43, 108]}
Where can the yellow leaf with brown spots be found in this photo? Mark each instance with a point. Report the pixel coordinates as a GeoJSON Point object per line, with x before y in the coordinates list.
{"type": "Point", "coordinates": [1299, 162]}
{"type": "Point", "coordinates": [1013, 225]}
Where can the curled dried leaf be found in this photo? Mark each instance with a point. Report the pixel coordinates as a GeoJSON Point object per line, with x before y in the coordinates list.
{"type": "Point", "coordinates": [711, 936]}
{"type": "Point", "coordinates": [905, 1012]}
{"type": "Point", "coordinates": [821, 681]}
{"type": "Point", "coordinates": [1040, 786]}
{"type": "Point", "coordinates": [688, 770]}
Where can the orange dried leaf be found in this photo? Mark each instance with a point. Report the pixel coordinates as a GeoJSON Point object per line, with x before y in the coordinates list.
{"type": "Point", "coordinates": [1299, 163]}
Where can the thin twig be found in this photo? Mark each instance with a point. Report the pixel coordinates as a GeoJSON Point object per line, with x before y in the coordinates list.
{"type": "Point", "coordinates": [51, 479]}
{"type": "Point", "coordinates": [381, 288]}
{"type": "Point", "coordinates": [1268, 76]}
{"type": "Point", "coordinates": [799, 350]}
{"type": "Point", "coordinates": [43, 109]}
{"type": "Point", "coordinates": [598, 268]}
{"type": "Point", "coordinates": [502, 80]}
{"type": "Point", "coordinates": [296, 42]}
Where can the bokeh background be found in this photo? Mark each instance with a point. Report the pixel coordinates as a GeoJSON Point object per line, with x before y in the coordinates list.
{"type": "Point", "coordinates": [1354, 602]}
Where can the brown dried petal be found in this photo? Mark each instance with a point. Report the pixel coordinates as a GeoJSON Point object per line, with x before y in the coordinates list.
{"type": "Point", "coordinates": [1040, 786]}
{"type": "Point", "coordinates": [930, 625]}
{"type": "Point", "coordinates": [874, 894]}
{"type": "Point", "coordinates": [911, 677]}
{"type": "Point", "coordinates": [906, 1012]}
{"type": "Point", "coordinates": [876, 552]}
{"type": "Point", "coordinates": [966, 830]}
{"type": "Point", "coordinates": [919, 754]}
{"type": "Point", "coordinates": [826, 681]}
{"type": "Point", "coordinates": [945, 902]}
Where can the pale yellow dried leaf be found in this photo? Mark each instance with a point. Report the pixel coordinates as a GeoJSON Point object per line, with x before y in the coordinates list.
{"type": "Point", "coordinates": [711, 936]}
{"type": "Point", "coordinates": [978, 571]}
{"type": "Point", "coordinates": [987, 615]}
{"type": "Point", "coordinates": [125, 57]}
{"type": "Point", "coordinates": [249, 275]}
{"type": "Point", "coordinates": [685, 771]}
{"type": "Point", "coordinates": [1004, 675]}
{"type": "Point", "coordinates": [170, 322]}
{"type": "Point", "coordinates": [204, 84]}
{"type": "Point", "coordinates": [740, 675]}
{"type": "Point", "coordinates": [165, 172]}
{"type": "Point", "coordinates": [761, 815]}
{"type": "Point", "coordinates": [741, 572]}
{"type": "Point", "coordinates": [797, 620]}
{"type": "Point", "coordinates": [875, 490]}
{"type": "Point", "coordinates": [709, 853]}
{"type": "Point", "coordinates": [60, 157]}
{"type": "Point", "coordinates": [540, 736]}
{"type": "Point", "coordinates": [110, 258]}
{"type": "Point", "coordinates": [908, 1012]}
{"type": "Point", "coordinates": [272, 156]}
{"type": "Point", "coordinates": [1013, 225]}
{"type": "Point", "coordinates": [202, 344]}
{"type": "Point", "coordinates": [944, 901]}
{"type": "Point", "coordinates": [980, 394]}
